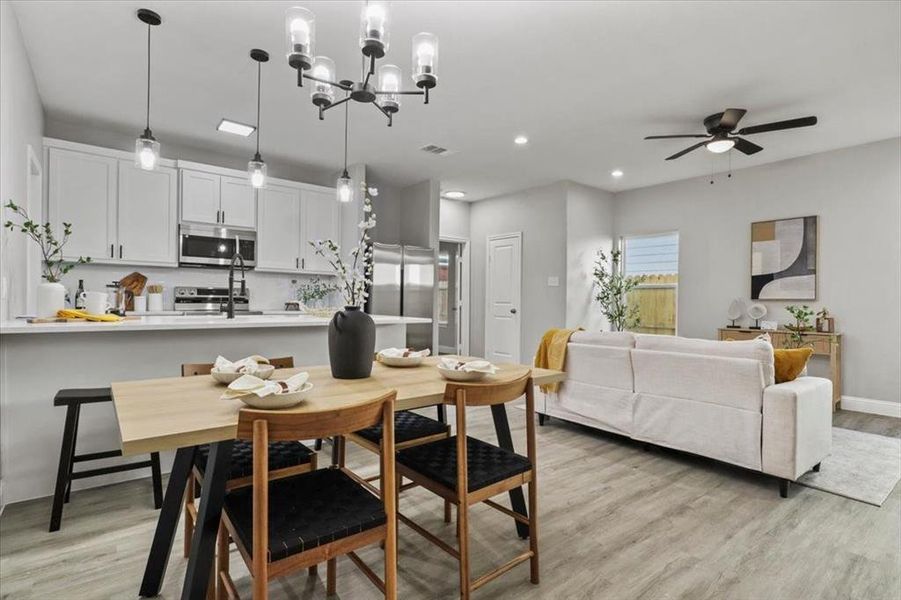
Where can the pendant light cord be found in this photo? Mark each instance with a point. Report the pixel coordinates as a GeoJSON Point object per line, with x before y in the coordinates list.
{"type": "Point", "coordinates": [345, 135]}
{"type": "Point", "coordinates": [148, 77]}
{"type": "Point", "coordinates": [259, 80]}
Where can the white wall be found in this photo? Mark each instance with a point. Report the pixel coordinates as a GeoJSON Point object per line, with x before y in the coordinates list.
{"type": "Point", "coordinates": [589, 228]}
{"type": "Point", "coordinates": [454, 219]}
{"type": "Point", "coordinates": [856, 192]}
{"type": "Point", "coordinates": [21, 125]}
{"type": "Point", "coordinates": [540, 214]}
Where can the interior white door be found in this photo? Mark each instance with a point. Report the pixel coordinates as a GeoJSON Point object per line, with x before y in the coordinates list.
{"type": "Point", "coordinates": [200, 197]}
{"type": "Point", "coordinates": [503, 294]}
{"type": "Point", "coordinates": [278, 229]}
{"type": "Point", "coordinates": [237, 202]}
{"type": "Point", "coordinates": [82, 191]}
{"type": "Point", "coordinates": [320, 220]}
{"type": "Point", "coordinates": [148, 215]}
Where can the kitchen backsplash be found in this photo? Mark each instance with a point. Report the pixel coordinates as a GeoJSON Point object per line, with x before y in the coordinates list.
{"type": "Point", "coordinates": [268, 291]}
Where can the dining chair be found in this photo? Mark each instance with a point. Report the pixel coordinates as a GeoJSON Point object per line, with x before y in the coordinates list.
{"type": "Point", "coordinates": [286, 458]}
{"type": "Point", "coordinates": [283, 525]}
{"type": "Point", "coordinates": [467, 471]}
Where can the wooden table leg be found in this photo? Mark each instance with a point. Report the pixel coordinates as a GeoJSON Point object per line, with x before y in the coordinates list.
{"type": "Point", "coordinates": [206, 528]}
{"type": "Point", "coordinates": [161, 547]}
{"type": "Point", "coordinates": [505, 441]}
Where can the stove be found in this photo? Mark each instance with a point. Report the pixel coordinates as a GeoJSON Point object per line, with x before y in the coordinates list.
{"type": "Point", "coordinates": [210, 300]}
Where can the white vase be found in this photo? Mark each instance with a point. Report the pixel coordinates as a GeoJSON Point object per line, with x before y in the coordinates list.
{"type": "Point", "coordinates": [51, 298]}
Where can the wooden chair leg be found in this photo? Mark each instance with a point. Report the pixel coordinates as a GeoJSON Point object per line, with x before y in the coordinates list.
{"type": "Point", "coordinates": [463, 533]}
{"type": "Point", "coordinates": [533, 530]}
{"type": "Point", "coordinates": [331, 575]}
{"type": "Point", "coordinates": [189, 519]}
{"type": "Point", "coordinates": [447, 511]}
{"type": "Point", "coordinates": [221, 561]}
{"type": "Point", "coordinates": [313, 571]}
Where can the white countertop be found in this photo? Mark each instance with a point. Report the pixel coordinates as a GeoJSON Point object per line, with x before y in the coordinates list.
{"type": "Point", "coordinates": [189, 323]}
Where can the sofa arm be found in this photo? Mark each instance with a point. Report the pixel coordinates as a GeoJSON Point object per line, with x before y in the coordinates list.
{"type": "Point", "coordinates": [797, 426]}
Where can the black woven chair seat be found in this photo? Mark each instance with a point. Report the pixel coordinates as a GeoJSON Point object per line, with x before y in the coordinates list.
{"type": "Point", "coordinates": [281, 456]}
{"type": "Point", "coordinates": [408, 426]}
{"type": "Point", "coordinates": [486, 463]}
{"type": "Point", "coordinates": [306, 511]}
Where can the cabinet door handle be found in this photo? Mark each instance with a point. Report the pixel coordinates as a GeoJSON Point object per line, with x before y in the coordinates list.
{"type": "Point", "coordinates": [223, 216]}
{"type": "Point", "coordinates": [120, 250]}
{"type": "Point", "coordinates": [296, 263]}
{"type": "Point", "coordinates": [217, 215]}
{"type": "Point", "coordinates": [112, 250]}
{"type": "Point", "coordinates": [303, 263]}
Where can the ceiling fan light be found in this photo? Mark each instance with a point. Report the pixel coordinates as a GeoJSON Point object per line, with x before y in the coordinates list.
{"type": "Point", "coordinates": [720, 146]}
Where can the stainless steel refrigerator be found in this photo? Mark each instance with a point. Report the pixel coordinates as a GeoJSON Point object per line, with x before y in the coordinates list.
{"type": "Point", "coordinates": [403, 283]}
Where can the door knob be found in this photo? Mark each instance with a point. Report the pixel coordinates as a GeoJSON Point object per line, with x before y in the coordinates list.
{"type": "Point", "coordinates": [512, 311]}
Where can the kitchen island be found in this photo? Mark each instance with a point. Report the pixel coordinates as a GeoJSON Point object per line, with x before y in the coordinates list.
{"type": "Point", "coordinates": [37, 360]}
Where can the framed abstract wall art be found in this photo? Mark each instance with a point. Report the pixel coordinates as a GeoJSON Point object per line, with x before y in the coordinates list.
{"type": "Point", "coordinates": [784, 259]}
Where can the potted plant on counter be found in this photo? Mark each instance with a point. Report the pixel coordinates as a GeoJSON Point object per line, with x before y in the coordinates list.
{"type": "Point", "coordinates": [351, 332]}
{"type": "Point", "coordinates": [51, 296]}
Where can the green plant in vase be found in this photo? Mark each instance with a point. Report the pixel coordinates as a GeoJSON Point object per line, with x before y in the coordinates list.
{"type": "Point", "coordinates": [613, 287]}
{"type": "Point", "coordinates": [313, 292]}
{"type": "Point", "coordinates": [802, 316]}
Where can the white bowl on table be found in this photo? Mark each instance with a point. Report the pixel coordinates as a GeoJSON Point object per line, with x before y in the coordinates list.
{"type": "Point", "coordinates": [459, 375]}
{"type": "Point", "coordinates": [400, 361]}
{"type": "Point", "coordinates": [275, 401]}
{"type": "Point", "coordinates": [226, 377]}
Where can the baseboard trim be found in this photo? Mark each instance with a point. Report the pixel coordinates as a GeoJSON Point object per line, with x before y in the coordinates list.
{"type": "Point", "coordinates": [872, 406]}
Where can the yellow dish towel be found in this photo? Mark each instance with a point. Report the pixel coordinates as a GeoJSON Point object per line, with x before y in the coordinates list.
{"type": "Point", "coordinates": [552, 353]}
{"type": "Point", "coordinates": [69, 313]}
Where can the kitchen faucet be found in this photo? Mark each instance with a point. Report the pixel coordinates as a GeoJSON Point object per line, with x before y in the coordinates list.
{"type": "Point", "coordinates": [230, 309]}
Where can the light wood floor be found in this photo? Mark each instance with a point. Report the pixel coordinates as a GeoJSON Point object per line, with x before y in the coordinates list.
{"type": "Point", "coordinates": [616, 522]}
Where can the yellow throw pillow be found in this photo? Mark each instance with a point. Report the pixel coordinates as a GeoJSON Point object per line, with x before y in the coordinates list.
{"type": "Point", "coordinates": [790, 363]}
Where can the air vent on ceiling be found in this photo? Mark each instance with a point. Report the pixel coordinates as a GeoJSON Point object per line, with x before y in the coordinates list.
{"type": "Point", "coordinates": [437, 150]}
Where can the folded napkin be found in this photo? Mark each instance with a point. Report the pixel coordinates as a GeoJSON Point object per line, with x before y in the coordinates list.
{"type": "Point", "coordinates": [480, 366]}
{"type": "Point", "coordinates": [403, 352]}
{"type": "Point", "coordinates": [246, 385]}
{"type": "Point", "coordinates": [249, 365]}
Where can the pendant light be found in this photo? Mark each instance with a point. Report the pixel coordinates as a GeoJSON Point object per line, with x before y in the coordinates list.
{"type": "Point", "coordinates": [147, 149]}
{"type": "Point", "coordinates": [256, 168]}
{"type": "Point", "coordinates": [345, 185]}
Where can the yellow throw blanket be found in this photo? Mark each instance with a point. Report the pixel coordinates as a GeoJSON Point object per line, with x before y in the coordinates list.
{"type": "Point", "coordinates": [552, 353]}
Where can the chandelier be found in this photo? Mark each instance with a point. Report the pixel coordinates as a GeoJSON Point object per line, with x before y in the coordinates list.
{"type": "Point", "coordinates": [386, 93]}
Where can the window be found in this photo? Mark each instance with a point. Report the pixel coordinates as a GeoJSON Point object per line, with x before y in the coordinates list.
{"type": "Point", "coordinates": [656, 259]}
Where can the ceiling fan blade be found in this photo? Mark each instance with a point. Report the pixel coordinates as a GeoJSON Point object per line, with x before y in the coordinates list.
{"type": "Point", "coordinates": [743, 145]}
{"type": "Point", "coordinates": [687, 150]}
{"type": "Point", "coordinates": [731, 117]}
{"type": "Point", "coordinates": [668, 137]}
{"type": "Point", "coordinates": [778, 125]}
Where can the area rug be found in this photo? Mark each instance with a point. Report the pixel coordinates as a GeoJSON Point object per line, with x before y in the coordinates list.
{"type": "Point", "coordinates": [863, 467]}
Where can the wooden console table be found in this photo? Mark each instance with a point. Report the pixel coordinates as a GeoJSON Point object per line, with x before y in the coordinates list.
{"type": "Point", "coordinates": [823, 344]}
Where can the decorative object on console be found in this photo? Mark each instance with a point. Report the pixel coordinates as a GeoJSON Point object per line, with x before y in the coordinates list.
{"type": "Point", "coordinates": [256, 168]}
{"type": "Point", "coordinates": [147, 149]}
{"type": "Point", "coordinates": [351, 332]}
{"type": "Point", "coordinates": [51, 296]}
{"type": "Point", "coordinates": [825, 322]}
{"type": "Point", "coordinates": [790, 362]}
{"type": "Point", "coordinates": [756, 311]}
{"type": "Point", "coordinates": [802, 316]}
{"type": "Point", "coordinates": [613, 287]}
{"type": "Point", "coordinates": [784, 259]}
{"type": "Point", "coordinates": [769, 325]}
{"type": "Point", "coordinates": [736, 310]}
{"type": "Point", "coordinates": [300, 29]}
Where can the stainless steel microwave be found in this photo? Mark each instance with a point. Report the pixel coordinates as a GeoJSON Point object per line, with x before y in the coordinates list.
{"type": "Point", "coordinates": [208, 246]}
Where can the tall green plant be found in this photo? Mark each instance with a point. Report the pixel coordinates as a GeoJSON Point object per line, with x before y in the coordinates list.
{"type": "Point", "coordinates": [613, 287]}
{"type": "Point", "coordinates": [51, 246]}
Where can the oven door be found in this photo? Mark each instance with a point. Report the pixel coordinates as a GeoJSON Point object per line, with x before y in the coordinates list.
{"type": "Point", "coordinates": [200, 246]}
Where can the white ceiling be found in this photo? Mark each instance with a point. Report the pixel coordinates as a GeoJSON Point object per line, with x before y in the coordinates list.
{"type": "Point", "coordinates": [585, 81]}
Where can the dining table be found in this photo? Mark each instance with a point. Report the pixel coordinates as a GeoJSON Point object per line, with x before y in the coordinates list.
{"type": "Point", "coordinates": [182, 413]}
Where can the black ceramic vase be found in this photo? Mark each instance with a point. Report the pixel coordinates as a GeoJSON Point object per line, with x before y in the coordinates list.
{"type": "Point", "coordinates": [351, 343]}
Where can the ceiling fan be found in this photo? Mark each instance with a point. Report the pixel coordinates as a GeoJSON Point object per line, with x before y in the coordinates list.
{"type": "Point", "coordinates": [720, 126]}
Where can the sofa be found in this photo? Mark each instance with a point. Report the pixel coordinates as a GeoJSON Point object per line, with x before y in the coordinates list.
{"type": "Point", "coordinates": [711, 398]}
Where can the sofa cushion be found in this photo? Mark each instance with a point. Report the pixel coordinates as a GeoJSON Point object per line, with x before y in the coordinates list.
{"type": "Point", "coordinates": [621, 339]}
{"type": "Point", "coordinates": [790, 363]}
{"type": "Point", "coordinates": [727, 381]}
{"type": "Point", "coordinates": [606, 366]}
{"type": "Point", "coordinates": [758, 349]}
{"type": "Point", "coordinates": [607, 408]}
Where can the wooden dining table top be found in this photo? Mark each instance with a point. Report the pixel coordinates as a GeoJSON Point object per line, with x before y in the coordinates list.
{"type": "Point", "coordinates": [174, 412]}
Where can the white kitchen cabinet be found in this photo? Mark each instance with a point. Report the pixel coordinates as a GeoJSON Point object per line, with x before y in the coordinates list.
{"type": "Point", "coordinates": [200, 196]}
{"type": "Point", "coordinates": [278, 229]}
{"type": "Point", "coordinates": [82, 191]}
{"type": "Point", "coordinates": [237, 202]}
{"type": "Point", "coordinates": [217, 199]}
{"type": "Point", "coordinates": [147, 215]}
{"type": "Point", "coordinates": [320, 220]}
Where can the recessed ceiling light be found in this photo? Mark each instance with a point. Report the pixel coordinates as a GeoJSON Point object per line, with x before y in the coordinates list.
{"type": "Point", "coordinates": [235, 127]}
{"type": "Point", "coordinates": [520, 140]}
{"type": "Point", "coordinates": [455, 194]}
{"type": "Point", "coordinates": [616, 173]}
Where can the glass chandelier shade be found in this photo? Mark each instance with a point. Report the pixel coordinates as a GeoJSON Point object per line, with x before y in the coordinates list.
{"type": "Point", "coordinates": [147, 151]}
{"type": "Point", "coordinates": [323, 93]}
{"type": "Point", "coordinates": [345, 190]}
{"type": "Point", "coordinates": [300, 32]}
{"type": "Point", "coordinates": [256, 170]}
{"type": "Point", "coordinates": [374, 28]}
{"type": "Point", "coordinates": [389, 81]}
{"type": "Point", "coordinates": [425, 59]}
